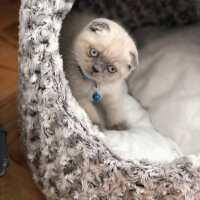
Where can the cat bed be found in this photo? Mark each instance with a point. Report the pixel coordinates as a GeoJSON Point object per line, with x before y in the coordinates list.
{"type": "Point", "coordinates": [167, 82]}
{"type": "Point", "coordinates": [141, 140]}
{"type": "Point", "coordinates": [66, 153]}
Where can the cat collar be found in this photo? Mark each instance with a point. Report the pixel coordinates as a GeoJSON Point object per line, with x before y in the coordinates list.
{"type": "Point", "coordinates": [96, 95]}
{"type": "Point", "coordinates": [81, 71]}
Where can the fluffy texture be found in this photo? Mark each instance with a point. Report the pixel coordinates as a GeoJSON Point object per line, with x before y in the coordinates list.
{"type": "Point", "coordinates": [64, 150]}
{"type": "Point", "coordinates": [144, 13]}
{"type": "Point", "coordinates": [167, 82]}
{"type": "Point", "coordinates": [141, 140]}
{"type": "Point", "coordinates": [106, 55]}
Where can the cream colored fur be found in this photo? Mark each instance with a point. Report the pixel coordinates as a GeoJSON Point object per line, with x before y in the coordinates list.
{"type": "Point", "coordinates": [82, 32]}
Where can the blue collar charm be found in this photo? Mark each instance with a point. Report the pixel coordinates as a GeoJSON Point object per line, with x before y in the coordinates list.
{"type": "Point", "coordinates": [95, 96]}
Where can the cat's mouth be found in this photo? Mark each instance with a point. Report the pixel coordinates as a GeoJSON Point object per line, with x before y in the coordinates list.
{"type": "Point", "coordinates": [94, 74]}
{"type": "Point", "coordinates": [95, 70]}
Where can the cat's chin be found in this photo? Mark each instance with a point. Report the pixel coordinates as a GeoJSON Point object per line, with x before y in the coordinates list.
{"type": "Point", "coordinates": [97, 77]}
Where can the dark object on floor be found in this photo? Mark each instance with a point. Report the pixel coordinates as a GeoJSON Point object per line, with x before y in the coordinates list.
{"type": "Point", "coordinates": [4, 163]}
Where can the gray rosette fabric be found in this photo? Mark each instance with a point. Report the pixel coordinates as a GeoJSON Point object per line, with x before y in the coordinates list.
{"type": "Point", "coordinates": [64, 150]}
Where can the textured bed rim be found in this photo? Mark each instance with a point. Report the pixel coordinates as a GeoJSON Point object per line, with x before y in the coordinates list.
{"type": "Point", "coordinates": [64, 150]}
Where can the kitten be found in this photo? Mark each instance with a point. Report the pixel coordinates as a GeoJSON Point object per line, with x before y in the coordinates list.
{"type": "Point", "coordinates": [98, 55]}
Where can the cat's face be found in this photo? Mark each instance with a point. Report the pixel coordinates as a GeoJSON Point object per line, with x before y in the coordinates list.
{"type": "Point", "coordinates": [105, 51]}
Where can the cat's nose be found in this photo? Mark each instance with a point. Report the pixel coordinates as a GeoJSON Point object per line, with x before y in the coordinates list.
{"type": "Point", "coordinates": [97, 68]}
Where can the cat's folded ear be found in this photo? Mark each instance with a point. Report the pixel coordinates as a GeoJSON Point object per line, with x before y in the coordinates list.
{"type": "Point", "coordinates": [96, 26]}
{"type": "Point", "coordinates": [134, 61]}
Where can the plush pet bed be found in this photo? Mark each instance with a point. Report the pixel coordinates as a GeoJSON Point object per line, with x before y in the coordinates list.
{"type": "Point", "coordinates": [66, 153]}
{"type": "Point", "coordinates": [167, 82]}
{"type": "Point", "coordinates": [141, 140]}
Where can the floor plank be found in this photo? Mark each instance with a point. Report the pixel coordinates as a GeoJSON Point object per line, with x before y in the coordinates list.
{"type": "Point", "coordinates": [17, 184]}
{"type": "Point", "coordinates": [9, 54]}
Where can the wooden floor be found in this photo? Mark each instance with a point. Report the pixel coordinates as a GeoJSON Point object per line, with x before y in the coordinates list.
{"type": "Point", "coordinates": [17, 184]}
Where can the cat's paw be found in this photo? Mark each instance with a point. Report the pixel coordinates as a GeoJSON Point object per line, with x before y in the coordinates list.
{"type": "Point", "coordinates": [120, 126]}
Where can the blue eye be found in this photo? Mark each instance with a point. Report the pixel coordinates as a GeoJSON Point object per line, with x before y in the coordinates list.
{"type": "Point", "coordinates": [111, 68]}
{"type": "Point", "coordinates": [93, 52]}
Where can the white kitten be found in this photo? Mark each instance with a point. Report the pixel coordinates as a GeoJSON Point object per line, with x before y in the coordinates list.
{"type": "Point", "coordinates": [98, 55]}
